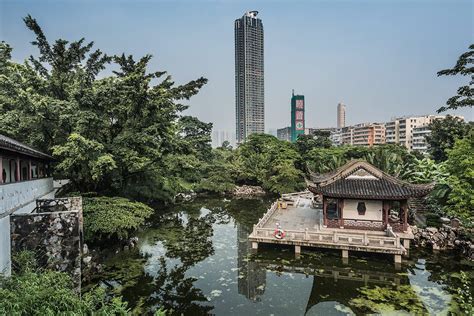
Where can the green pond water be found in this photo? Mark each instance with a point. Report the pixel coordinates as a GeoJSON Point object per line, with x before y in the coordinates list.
{"type": "Point", "coordinates": [194, 259]}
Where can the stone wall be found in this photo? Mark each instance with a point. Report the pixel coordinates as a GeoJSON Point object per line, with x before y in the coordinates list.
{"type": "Point", "coordinates": [445, 237]}
{"type": "Point", "coordinates": [53, 233]}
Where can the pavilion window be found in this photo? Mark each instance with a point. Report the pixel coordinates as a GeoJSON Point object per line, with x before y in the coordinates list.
{"type": "Point", "coordinates": [361, 208]}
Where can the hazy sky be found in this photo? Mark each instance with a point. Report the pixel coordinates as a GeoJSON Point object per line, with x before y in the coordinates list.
{"type": "Point", "coordinates": [379, 57]}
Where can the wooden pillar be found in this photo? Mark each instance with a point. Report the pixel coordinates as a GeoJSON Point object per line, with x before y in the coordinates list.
{"type": "Point", "coordinates": [18, 174]}
{"type": "Point", "coordinates": [30, 176]}
{"type": "Point", "coordinates": [254, 245]}
{"type": "Point", "coordinates": [325, 206]}
{"type": "Point", "coordinates": [385, 207]}
{"type": "Point", "coordinates": [1, 170]}
{"type": "Point", "coordinates": [404, 206]}
{"type": "Point", "coordinates": [340, 203]}
{"type": "Point", "coordinates": [345, 253]}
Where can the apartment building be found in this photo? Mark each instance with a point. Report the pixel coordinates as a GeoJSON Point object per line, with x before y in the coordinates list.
{"type": "Point", "coordinates": [410, 131]}
{"type": "Point", "coordinates": [365, 134]}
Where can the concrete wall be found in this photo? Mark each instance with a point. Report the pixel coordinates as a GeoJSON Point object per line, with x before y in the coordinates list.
{"type": "Point", "coordinates": [21, 196]}
{"type": "Point", "coordinates": [18, 197]}
{"type": "Point", "coordinates": [5, 262]}
{"type": "Point", "coordinates": [373, 210]}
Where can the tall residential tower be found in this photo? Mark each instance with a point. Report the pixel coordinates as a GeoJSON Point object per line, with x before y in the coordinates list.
{"type": "Point", "coordinates": [249, 91]}
{"type": "Point", "coordinates": [341, 115]}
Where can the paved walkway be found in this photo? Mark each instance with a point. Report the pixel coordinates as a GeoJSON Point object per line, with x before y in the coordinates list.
{"type": "Point", "coordinates": [296, 217]}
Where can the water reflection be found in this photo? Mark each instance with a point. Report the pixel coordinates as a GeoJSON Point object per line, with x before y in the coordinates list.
{"type": "Point", "coordinates": [195, 259]}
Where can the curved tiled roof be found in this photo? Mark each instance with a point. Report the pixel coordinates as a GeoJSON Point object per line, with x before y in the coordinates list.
{"type": "Point", "coordinates": [373, 184]}
{"type": "Point", "coordinates": [10, 144]}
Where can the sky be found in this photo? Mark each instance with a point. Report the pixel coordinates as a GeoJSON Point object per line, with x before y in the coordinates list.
{"type": "Point", "coordinates": [379, 57]}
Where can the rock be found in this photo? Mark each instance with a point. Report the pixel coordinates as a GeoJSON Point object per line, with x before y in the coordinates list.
{"type": "Point", "coordinates": [85, 249]}
{"type": "Point", "coordinates": [432, 230]}
{"type": "Point", "coordinates": [248, 190]}
{"type": "Point", "coordinates": [87, 259]}
{"type": "Point", "coordinates": [455, 223]}
{"type": "Point", "coordinates": [445, 220]}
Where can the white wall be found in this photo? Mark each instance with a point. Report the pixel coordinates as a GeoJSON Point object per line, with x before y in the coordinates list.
{"type": "Point", "coordinates": [373, 210]}
{"type": "Point", "coordinates": [5, 260]}
{"type": "Point", "coordinates": [19, 197]}
{"type": "Point", "coordinates": [22, 195]}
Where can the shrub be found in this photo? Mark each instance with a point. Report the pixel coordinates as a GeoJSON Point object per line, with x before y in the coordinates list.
{"type": "Point", "coordinates": [30, 291]}
{"type": "Point", "coordinates": [112, 217]}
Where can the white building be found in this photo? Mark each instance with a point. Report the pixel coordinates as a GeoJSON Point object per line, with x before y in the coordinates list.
{"type": "Point", "coordinates": [220, 136]}
{"type": "Point", "coordinates": [410, 131]}
{"type": "Point", "coordinates": [25, 177]}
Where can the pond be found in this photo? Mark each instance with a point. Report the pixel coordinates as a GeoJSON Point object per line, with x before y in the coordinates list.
{"type": "Point", "coordinates": [194, 259]}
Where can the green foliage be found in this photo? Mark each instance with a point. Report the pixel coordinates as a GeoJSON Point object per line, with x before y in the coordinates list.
{"type": "Point", "coordinates": [443, 135]}
{"type": "Point", "coordinates": [33, 292]}
{"type": "Point", "coordinates": [385, 300]}
{"type": "Point", "coordinates": [460, 167]}
{"type": "Point", "coordinates": [271, 163]}
{"type": "Point", "coordinates": [108, 133]}
{"type": "Point", "coordinates": [392, 159]}
{"type": "Point", "coordinates": [320, 139]}
{"type": "Point", "coordinates": [112, 217]}
{"type": "Point", "coordinates": [426, 171]}
{"type": "Point", "coordinates": [463, 303]}
{"type": "Point", "coordinates": [217, 174]}
{"type": "Point", "coordinates": [465, 67]}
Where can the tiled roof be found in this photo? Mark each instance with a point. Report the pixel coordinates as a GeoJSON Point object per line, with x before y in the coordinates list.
{"type": "Point", "coordinates": [10, 144]}
{"type": "Point", "coordinates": [359, 179]}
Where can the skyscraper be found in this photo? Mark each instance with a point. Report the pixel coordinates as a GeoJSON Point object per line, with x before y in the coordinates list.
{"type": "Point", "coordinates": [297, 116]}
{"type": "Point", "coordinates": [341, 115]}
{"type": "Point", "coordinates": [249, 91]}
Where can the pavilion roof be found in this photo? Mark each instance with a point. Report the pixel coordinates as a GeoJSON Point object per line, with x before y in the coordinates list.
{"type": "Point", "coordinates": [360, 180]}
{"type": "Point", "coordinates": [12, 145]}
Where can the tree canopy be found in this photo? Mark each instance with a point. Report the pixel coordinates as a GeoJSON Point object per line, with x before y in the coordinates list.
{"type": "Point", "coordinates": [465, 94]}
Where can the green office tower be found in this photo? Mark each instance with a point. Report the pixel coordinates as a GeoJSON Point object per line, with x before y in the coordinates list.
{"type": "Point", "coordinates": [297, 116]}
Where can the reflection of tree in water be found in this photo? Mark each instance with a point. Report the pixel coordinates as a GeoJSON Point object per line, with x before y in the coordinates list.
{"type": "Point", "coordinates": [176, 293]}
{"type": "Point", "coordinates": [190, 241]}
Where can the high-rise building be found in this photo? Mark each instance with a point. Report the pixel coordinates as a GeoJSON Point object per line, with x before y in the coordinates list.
{"type": "Point", "coordinates": [284, 133]}
{"type": "Point", "coordinates": [341, 115]}
{"type": "Point", "coordinates": [297, 116]}
{"type": "Point", "coordinates": [249, 76]}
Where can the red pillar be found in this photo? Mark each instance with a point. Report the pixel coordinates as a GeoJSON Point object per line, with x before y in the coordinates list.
{"type": "Point", "coordinates": [405, 214]}
{"type": "Point", "coordinates": [325, 206]}
{"type": "Point", "coordinates": [30, 176]}
{"type": "Point", "coordinates": [18, 174]}
{"type": "Point", "coordinates": [1, 170]}
{"type": "Point", "coordinates": [385, 206]}
{"type": "Point", "coordinates": [340, 203]}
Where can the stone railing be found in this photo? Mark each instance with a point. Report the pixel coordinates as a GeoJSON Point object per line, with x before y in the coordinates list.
{"type": "Point", "coordinates": [333, 237]}
{"type": "Point", "coordinates": [262, 221]}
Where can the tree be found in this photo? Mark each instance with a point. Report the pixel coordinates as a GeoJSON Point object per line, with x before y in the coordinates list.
{"type": "Point", "coordinates": [271, 163]}
{"type": "Point", "coordinates": [118, 133]}
{"type": "Point", "coordinates": [444, 133]}
{"type": "Point", "coordinates": [460, 167]}
{"type": "Point", "coordinates": [319, 139]}
{"type": "Point", "coordinates": [465, 67]}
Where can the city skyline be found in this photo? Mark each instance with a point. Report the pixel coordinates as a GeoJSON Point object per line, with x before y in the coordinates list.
{"type": "Point", "coordinates": [315, 47]}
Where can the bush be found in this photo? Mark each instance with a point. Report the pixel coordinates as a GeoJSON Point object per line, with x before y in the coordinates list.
{"type": "Point", "coordinates": [30, 291]}
{"type": "Point", "coordinates": [112, 217]}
